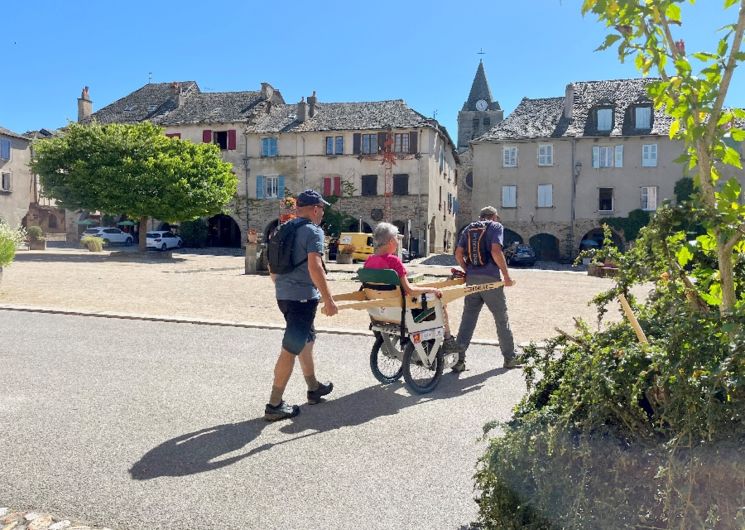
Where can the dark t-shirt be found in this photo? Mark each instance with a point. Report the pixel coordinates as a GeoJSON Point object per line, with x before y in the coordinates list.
{"type": "Point", "coordinates": [494, 234]}
{"type": "Point", "coordinates": [297, 284]}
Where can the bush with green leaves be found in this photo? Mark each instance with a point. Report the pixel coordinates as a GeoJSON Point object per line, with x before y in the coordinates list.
{"type": "Point", "coordinates": [194, 233]}
{"type": "Point", "coordinates": [92, 243]}
{"type": "Point", "coordinates": [35, 233]}
{"type": "Point", "coordinates": [10, 238]}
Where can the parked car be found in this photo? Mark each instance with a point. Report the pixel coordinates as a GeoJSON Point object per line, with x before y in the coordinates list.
{"type": "Point", "coordinates": [407, 255]}
{"type": "Point", "coordinates": [520, 255]}
{"type": "Point", "coordinates": [163, 240]}
{"type": "Point", "coordinates": [110, 235]}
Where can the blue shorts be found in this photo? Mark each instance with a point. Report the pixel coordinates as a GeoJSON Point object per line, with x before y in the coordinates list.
{"type": "Point", "coordinates": [299, 317]}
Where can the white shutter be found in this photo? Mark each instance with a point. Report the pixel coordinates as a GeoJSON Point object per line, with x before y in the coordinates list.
{"type": "Point", "coordinates": [509, 196]}
{"type": "Point", "coordinates": [595, 156]}
{"type": "Point", "coordinates": [619, 156]}
{"type": "Point", "coordinates": [545, 195]}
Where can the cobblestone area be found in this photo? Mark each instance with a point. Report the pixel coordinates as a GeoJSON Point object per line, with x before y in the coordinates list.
{"type": "Point", "coordinates": [14, 520]}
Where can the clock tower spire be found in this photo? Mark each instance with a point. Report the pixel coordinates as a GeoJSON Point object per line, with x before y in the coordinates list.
{"type": "Point", "coordinates": [480, 112]}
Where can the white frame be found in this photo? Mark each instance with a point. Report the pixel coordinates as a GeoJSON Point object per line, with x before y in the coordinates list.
{"type": "Point", "coordinates": [271, 187]}
{"type": "Point", "coordinates": [646, 197]}
{"type": "Point", "coordinates": [649, 155]}
{"type": "Point", "coordinates": [509, 156]}
{"type": "Point", "coordinates": [545, 154]}
{"type": "Point", "coordinates": [512, 187]}
{"type": "Point", "coordinates": [550, 196]}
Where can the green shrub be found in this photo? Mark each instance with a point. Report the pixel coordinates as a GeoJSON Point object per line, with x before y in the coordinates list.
{"type": "Point", "coordinates": [35, 233]}
{"type": "Point", "coordinates": [94, 244]}
{"type": "Point", "coordinates": [10, 238]}
{"type": "Point", "coordinates": [194, 233]}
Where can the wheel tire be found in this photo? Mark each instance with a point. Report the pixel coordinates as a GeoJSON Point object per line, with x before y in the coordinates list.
{"type": "Point", "coordinates": [384, 368]}
{"type": "Point", "coordinates": [106, 242]}
{"type": "Point", "coordinates": [164, 247]}
{"type": "Point", "coordinates": [128, 242]}
{"type": "Point", "coordinates": [414, 381]}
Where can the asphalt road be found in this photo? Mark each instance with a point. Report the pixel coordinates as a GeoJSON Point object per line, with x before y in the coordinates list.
{"type": "Point", "coordinates": [142, 425]}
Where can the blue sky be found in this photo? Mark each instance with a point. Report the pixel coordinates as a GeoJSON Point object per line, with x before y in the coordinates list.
{"type": "Point", "coordinates": [422, 52]}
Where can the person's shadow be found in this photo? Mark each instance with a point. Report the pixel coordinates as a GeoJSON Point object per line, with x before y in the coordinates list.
{"type": "Point", "coordinates": [201, 451]}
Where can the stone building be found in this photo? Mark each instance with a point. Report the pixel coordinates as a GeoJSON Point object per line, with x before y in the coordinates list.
{"type": "Point", "coordinates": [277, 148]}
{"type": "Point", "coordinates": [556, 167]}
{"type": "Point", "coordinates": [479, 114]}
{"type": "Point", "coordinates": [16, 182]}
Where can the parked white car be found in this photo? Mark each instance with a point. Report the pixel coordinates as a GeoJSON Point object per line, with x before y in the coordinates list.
{"type": "Point", "coordinates": [110, 235]}
{"type": "Point", "coordinates": [163, 240]}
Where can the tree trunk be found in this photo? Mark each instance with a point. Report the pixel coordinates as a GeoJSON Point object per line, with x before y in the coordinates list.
{"type": "Point", "coordinates": [726, 277]}
{"type": "Point", "coordinates": [142, 246]}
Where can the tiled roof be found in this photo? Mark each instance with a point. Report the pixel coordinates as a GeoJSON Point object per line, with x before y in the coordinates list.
{"type": "Point", "coordinates": [213, 107]}
{"type": "Point", "coordinates": [543, 118]}
{"type": "Point", "coordinates": [8, 132]}
{"type": "Point", "coordinates": [147, 103]}
{"type": "Point", "coordinates": [480, 90]}
{"type": "Point", "coordinates": [343, 117]}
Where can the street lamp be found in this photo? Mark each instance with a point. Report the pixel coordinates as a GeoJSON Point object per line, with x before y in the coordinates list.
{"type": "Point", "coordinates": [577, 168]}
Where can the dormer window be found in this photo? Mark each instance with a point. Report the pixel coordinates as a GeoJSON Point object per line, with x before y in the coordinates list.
{"type": "Point", "coordinates": [604, 119]}
{"type": "Point", "coordinates": [643, 117]}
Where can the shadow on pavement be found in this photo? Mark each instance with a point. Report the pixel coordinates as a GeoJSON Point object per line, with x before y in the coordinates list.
{"type": "Point", "coordinates": [201, 450]}
{"type": "Point", "coordinates": [130, 256]}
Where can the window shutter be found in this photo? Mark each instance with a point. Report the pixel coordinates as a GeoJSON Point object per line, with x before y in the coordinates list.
{"type": "Point", "coordinates": [231, 139]}
{"type": "Point", "coordinates": [326, 186]}
{"type": "Point", "coordinates": [337, 186]}
{"type": "Point", "coordinates": [381, 142]}
{"type": "Point", "coordinates": [619, 156]}
{"type": "Point", "coordinates": [595, 156]}
{"type": "Point", "coordinates": [273, 147]}
{"type": "Point", "coordinates": [281, 187]}
{"type": "Point", "coordinates": [260, 187]}
{"type": "Point", "coordinates": [5, 149]}
{"type": "Point", "coordinates": [207, 136]}
{"type": "Point", "coordinates": [356, 141]}
{"type": "Point", "coordinates": [413, 142]}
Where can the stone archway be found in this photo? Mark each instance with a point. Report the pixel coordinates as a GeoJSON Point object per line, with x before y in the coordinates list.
{"type": "Point", "coordinates": [223, 231]}
{"type": "Point", "coordinates": [546, 247]}
{"type": "Point", "coordinates": [594, 239]}
{"type": "Point", "coordinates": [355, 227]}
{"type": "Point", "coordinates": [510, 237]}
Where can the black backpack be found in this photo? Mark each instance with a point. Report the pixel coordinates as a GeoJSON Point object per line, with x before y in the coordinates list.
{"type": "Point", "coordinates": [478, 253]}
{"type": "Point", "coordinates": [279, 251]}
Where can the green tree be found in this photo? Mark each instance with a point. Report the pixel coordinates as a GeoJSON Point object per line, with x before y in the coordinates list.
{"type": "Point", "coordinates": [695, 101]}
{"type": "Point", "coordinates": [134, 170]}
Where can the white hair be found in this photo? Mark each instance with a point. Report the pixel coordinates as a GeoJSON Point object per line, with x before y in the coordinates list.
{"type": "Point", "coordinates": [383, 234]}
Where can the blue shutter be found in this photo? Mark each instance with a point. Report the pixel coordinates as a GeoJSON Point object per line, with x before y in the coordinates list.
{"type": "Point", "coordinates": [5, 149]}
{"type": "Point", "coordinates": [281, 187]}
{"type": "Point", "coordinates": [260, 187]}
{"type": "Point", "coordinates": [264, 146]}
{"type": "Point", "coordinates": [273, 145]}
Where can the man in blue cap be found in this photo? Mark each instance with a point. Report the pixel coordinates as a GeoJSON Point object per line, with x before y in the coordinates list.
{"type": "Point", "coordinates": [298, 293]}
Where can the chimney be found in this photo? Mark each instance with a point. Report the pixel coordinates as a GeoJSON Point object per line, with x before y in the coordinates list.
{"type": "Point", "coordinates": [302, 109]}
{"type": "Point", "coordinates": [312, 105]}
{"type": "Point", "coordinates": [569, 101]}
{"type": "Point", "coordinates": [266, 91]}
{"type": "Point", "coordinates": [85, 105]}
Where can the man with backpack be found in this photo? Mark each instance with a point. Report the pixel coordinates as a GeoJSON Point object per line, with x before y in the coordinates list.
{"type": "Point", "coordinates": [480, 254]}
{"type": "Point", "coordinates": [295, 255]}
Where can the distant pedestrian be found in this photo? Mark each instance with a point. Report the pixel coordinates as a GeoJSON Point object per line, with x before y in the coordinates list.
{"type": "Point", "coordinates": [298, 292]}
{"type": "Point", "coordinates": [480, 254]}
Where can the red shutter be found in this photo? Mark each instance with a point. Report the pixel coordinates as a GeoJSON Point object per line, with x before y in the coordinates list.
{"type": "Point", "coordinates": [356, 142]}
{"type": "Point", "coordinates": [413, 142]}
{"type": "Point", "coordinates": [326, 186]}
{"type": "Point", "coordinates": [174, 135]}
{"type": "Point", "coordinates": [207, 136]}
{"type": "Point", "coordinates": [337, 186]}
{"type": "Point", "coordinates": [231, 139]}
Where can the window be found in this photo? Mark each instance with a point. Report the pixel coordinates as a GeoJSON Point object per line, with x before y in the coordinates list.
{"type": "Point", "coordinates": [5, 182]}
{"type": "Point", "coordinates": [487, 122]}
{"type": "Point", "coordinates": [174, 135]}
{"type": "Point", "coordinates": [442, 159]}
{"type": "Point", "coordinates": [475, 125]}
{"type": "Point", "coordinates": [605, 199]}
{"type": "Point", "coordinates": [606, 156]}
{"type": "Point", "coordinates": [334, 145]}
{"type": "Point", "coordinates": [649, 198]}
{"type": "Point", "coordinates": [545, 155]}
{"type": "Point", "coordinates": [332, 186]}
{"type": "Point", "coordinates": [268, 147]}
{"type": "Point", "coordinates": [450, 202]}
{"type": "Point", "coordinates": [270, 187]}
{"type": "Point", "coordinates": [221, 139]}
{"type": "Point", "coordinates": [370, 144]}
{"type": "Point", "coordinates": [401, 143]}
{"type": "Point", "coordinates": [509, 196]}
{"type": "Point", "coordinates": [369, 183]}
{"type": "Point", "coordinates": [605, 119]}
{"type": "Point", "coordinates": [649, 155]}
{"type": "Point", "coordinates": [439, 199]}
{"type": "Point", "coordinates": [545, 195]}
{"type": "Point", "coordinates": [224, 139]}
{"type": "Point", "coordinates": [401, 184]}
{"type": "Point", "coordinates": [643, 117]}
{"type": "Point", "coordinates": [509, 157]}
{"type": "Point", "coordinates": [4, 149]}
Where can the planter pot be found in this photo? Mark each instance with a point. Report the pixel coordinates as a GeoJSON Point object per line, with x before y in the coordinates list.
{"type": "Point", "coordinates": [344, 259]}
{"type": "Point", "coordinates": [35, 244]}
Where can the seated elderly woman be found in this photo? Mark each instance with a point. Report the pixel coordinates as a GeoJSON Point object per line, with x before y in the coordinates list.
{"type": "Point", "coordinates": [385, 242]}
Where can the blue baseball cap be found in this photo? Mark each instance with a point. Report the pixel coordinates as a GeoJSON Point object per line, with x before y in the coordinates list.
{"type": "Point", "coordinates": [311, 198]}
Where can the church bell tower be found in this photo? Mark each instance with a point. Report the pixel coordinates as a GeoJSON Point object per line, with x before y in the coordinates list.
{"type": "Point", "coordinates": [479, 113]}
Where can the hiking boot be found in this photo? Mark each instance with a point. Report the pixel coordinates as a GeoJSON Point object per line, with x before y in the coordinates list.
{"type": "Point", "coordinates": [280, 412]}
{"type": "Point", "coordinates": [512, 362]}
{"type": "Point", "coordinates": [459, 367]}
{"type": "Point", "coordinates": [450, 346]}
{"type": "Point", "coordinates": [316, 396]}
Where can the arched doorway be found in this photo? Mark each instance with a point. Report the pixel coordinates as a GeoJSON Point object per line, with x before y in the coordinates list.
{"type": "Point", "coordinates": [511, 237]}
{"type": "Point", "coordinates": [223, 231]}
{"type": "Point", "coordinates": [594, 240]}
{"type": "Point", "coordinates": [355, 227]}
{"type": "Point", "coordinates": [546, 247]}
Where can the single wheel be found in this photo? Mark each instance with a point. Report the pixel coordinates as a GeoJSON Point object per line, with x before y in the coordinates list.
{"type": "Point", "coordinates": [419, 378]}
{"type": "Point", "coordinates": [386, 366]}
{"type": "Point", "coordinates": [128, 242]}
{"type": "Point", "coordinates": [164, 247]}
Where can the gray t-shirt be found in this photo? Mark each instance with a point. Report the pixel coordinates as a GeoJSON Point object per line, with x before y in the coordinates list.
{"type": "Point", "coordinates": [297, 285]}
{"type": "Point", "coordinates": [494, 234]}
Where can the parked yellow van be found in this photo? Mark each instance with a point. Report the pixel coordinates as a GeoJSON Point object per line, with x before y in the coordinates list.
{"type": "Point", "coordinates": [362, 242]}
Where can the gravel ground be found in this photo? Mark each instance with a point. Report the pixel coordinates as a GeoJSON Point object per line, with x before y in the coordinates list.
{"type": "Point", "coordinates": [215, 287]}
